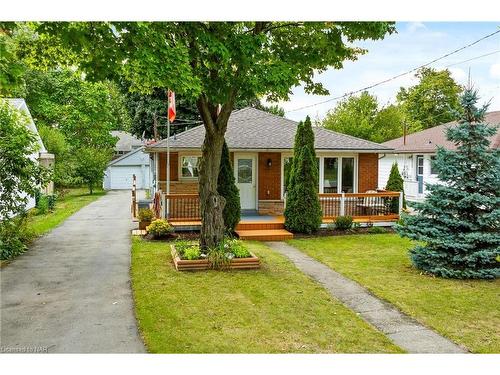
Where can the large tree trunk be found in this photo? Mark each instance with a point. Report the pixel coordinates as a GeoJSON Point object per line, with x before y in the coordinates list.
{"type": "Point", "coordinates": [211, 203]}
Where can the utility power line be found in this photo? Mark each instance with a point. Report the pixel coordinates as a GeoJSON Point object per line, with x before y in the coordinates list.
{"type": "Point", "coordinates": [396, 76]}
{"type": "Point", "coordinates": [473, 58]}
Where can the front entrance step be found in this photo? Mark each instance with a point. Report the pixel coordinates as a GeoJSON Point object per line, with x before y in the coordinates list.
{"type": "Point", "coordinates": [265, 235]}
{"type": "Point", "coordinates": [259, 225]}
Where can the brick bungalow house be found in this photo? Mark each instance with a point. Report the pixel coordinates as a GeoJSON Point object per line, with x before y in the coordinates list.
{"type": "Point", "coordinates": [261, 145]}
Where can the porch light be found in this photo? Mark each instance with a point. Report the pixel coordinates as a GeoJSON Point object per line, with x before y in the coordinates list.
{"type": "Point", "coordinates": [269, 163]}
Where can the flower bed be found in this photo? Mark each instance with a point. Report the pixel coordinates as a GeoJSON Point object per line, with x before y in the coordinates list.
{"type": "Point", "coordinates": [232, 254]}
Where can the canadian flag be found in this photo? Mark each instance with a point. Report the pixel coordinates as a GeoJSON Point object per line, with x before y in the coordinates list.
{"type": "Point", "coordinates": [171, 106]}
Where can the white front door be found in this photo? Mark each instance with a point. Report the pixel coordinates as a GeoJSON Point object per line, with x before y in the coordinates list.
{"type": "Point", "coordinates": [244, 173]}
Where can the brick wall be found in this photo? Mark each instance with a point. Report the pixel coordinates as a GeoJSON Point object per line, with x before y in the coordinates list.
{"type": "Point", "coordinates": [269, 177]}
{"type": "Point", "coordinates": [275, 207]}
{"type": "Point", "coordinates": [367, 172]}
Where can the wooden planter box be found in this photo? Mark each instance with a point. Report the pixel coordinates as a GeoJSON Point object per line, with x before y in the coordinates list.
{"type": "Point", "coordinates": [202, 264]}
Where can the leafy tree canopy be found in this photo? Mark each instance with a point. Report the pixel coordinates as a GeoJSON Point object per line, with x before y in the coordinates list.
{"type": "Point", "coordinates": [11, 69]}
{"type": "Point", "coordinates": [215, 58]}
{"type": "Point", "coordinates": [84, 111]}
{"type": "Point", "coordinates": [432, 101]}
{"type": "Point", "coordinates": [145, 108]}
{"type": "Point", "coordinates": [215, 63]}
{"type": "Point", "coordinates": [362, 117]}
{"type": "Point", "coordinates": [20, 175]}
{"type": "Point", "coordinates": [90, 165]}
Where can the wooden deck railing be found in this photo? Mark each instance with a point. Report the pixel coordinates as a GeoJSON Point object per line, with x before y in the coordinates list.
{"type": "Point", "coordinates": [181, 207]}
{"type": "Point", "coordinates": [361, 205]}
{"type": "Point", "coordinates": [385, 205]}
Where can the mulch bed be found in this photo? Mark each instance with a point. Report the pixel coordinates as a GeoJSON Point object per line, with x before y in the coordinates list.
{"type": "Point", "coordinates": [194, 236]}
{"type": "Point", "coordinates": [175, 236]}
{"type": "Point", "coordinates": [334, 232]}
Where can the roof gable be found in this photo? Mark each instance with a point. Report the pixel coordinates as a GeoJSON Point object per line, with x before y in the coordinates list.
{"type": "Point", "coordinates": [253, 129]}
{"type": "Point", "coordinates": [134, 157]}
{"type": "Point", "coordinates": [429, 139]}
{"type": "Point", "coordinates": [126, 141]}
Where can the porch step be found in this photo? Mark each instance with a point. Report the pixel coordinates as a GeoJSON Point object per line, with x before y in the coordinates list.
{"type": "Point", "coordinates": [259, 225]}
{"type": "Point", "coordinates": [265, 235]}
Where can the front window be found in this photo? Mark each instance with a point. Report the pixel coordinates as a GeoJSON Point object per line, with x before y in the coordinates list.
{"type": "Point", "coordinates": [190, 166]}
{"type": "Point", "coordinates": [433, 168]}
{"type": "Point", "coordinates": [330, 175]}
{"type": "Point", "coordinates": [347, 175]}
{"type": "Point", "coordinates": [420, 165]}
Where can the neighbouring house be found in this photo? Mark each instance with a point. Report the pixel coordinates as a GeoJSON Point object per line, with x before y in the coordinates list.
{"type": "Point", "coordinates": [126, 142]}
{"type": "Point", "coordinates": [415, 152]}
{"type": "Point", "coordinates": [43, 157]}
{"type": "Point", "coordinates": [261, 147]}
{"type": "Point", "coordinates": [130, 159]}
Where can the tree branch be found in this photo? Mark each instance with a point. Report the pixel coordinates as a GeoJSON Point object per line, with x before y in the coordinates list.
{"type": "Point", "coordinates": [205, 113]}
{"type": "Point", "coordinates": [279, 26]}
{"type": "Point", "coordinates": [225, 111]}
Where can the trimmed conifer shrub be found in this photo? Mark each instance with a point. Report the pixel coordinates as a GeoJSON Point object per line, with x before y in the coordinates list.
{"type": "Point", "coordinates": [395, 183]}
{"type": "Point", "coordinates": [226, 186]}
{"type": "Point", "coordinates": [458, 224]}
{"type": "Point", "coordinates": [303, 210]}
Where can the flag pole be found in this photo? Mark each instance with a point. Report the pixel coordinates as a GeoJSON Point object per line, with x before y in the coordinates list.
{"type": "Point", "coordinates": [168, 150]}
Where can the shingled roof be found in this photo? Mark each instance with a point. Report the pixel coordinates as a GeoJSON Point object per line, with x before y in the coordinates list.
{"type": "Point", "coordinates": [427, 140]}
{"type": "Point", "coordinates": [253, 129]}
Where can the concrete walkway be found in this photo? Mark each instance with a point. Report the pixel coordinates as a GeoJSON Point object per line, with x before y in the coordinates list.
{"type": "Point", "coordinates": [404, 331]}
{"type": "Point", "coordinates": [70, 293]}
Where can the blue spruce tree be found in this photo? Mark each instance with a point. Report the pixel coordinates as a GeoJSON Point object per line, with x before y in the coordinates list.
{"type": "Point", "coordinates": [458, 225]}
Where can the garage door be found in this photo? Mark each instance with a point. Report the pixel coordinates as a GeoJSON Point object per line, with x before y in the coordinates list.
{"type": "Point", "coordinates": [121, 177]}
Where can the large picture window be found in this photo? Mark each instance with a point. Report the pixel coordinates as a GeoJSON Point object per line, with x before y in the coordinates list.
{"type": "Point", "coordinates": [190, 166]}
{"type": "Point", "coordinates": [336, 174]}
{"type": "Point", "coordinates": [330, 175]}
{"type": "Point", "coordinates": [347, 175]}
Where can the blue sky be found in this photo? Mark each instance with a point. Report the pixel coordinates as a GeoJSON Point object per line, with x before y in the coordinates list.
{"type": "Point", "coordinates": [414, 44]}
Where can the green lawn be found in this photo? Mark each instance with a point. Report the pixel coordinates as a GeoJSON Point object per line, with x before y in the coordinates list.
{"type": "Point", "coordinates": [468, 312]}
{"type": "Point", "coordinates": [66, 206]}
{"type": "Point", "coordinates": [273, 310]}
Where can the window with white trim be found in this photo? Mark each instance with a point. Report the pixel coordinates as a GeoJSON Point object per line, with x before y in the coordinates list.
{"type": "Point", "coordinates": [347, 175]}
{"type": "Point", "coordinates": [432, 161]}
{"type": "Point", "coordinates": [338, 174]}
{"type": "Point", "coordinates": [190, 166]}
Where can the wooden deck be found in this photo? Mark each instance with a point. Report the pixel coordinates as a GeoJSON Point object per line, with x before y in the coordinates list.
{"type": "Point", "coordinates": [272, 228]}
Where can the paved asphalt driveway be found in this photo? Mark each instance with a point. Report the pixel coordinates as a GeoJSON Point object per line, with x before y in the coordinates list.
{"type": "Point", "coordinates": [71, 291]}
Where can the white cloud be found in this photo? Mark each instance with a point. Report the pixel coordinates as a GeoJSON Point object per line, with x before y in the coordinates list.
{"type": "Point", "coordinates": [414, 26]}
{"type": "Point", "coordinates": [495, 71]}
{"type": "Point", "coordinates": [458, 75]}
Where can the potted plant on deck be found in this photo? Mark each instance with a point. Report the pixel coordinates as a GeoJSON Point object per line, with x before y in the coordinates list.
{"type": "Point", "coordinates": [146, 215]}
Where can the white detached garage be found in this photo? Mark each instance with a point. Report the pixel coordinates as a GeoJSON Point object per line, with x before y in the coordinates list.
{"type": "Point", "coordinates": [119, 173]}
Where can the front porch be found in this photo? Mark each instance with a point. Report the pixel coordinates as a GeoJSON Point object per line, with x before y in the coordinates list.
{"type": "Point", "coordinates": [183, 212]}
